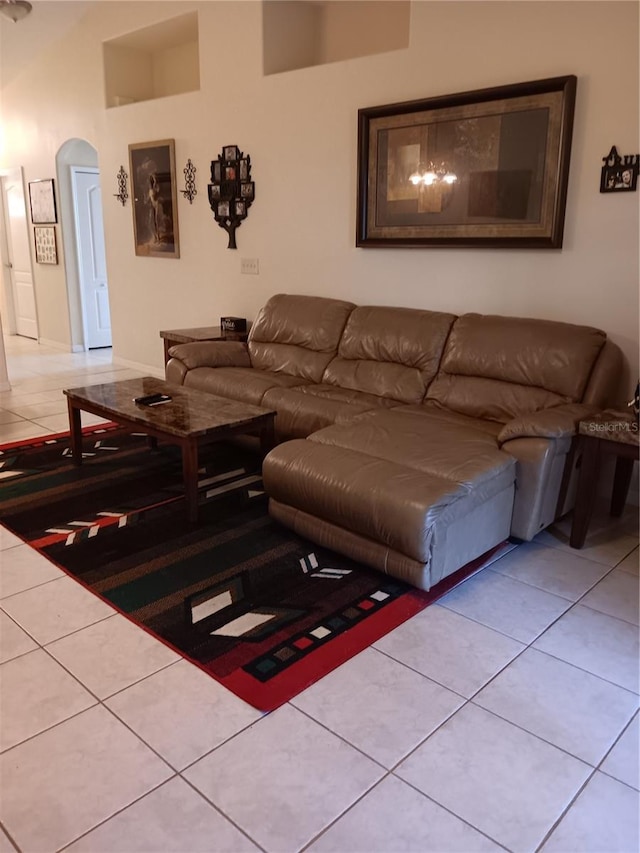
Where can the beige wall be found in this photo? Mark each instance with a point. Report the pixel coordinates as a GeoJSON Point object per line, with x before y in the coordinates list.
{"type": "Point", "coordinates": [300, 129]}
{"type": "Point", "coordinates": [360, 27]}
{"type": "Point", "coordinates": [128, 75]}
{"type": "Point", "coordinates": [176, 69]}
{"type": "Point", "coordinates": [291, 35]}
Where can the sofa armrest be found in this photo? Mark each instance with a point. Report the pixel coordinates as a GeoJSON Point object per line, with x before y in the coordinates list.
{"type": "Point", "coordinates": [212, 354]}
{"type": "Point", "coordinates": [557, 422]}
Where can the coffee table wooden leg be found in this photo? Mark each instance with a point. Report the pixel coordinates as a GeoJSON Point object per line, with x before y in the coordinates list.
{"type": "Point", "coordinates": [190, 476]}
{"type": "Point", "coordinates": [586, 492]}
{"type": "Point", "coordinates": [75, 430]}
{"type": "Point", "coordinates": [267, 437]}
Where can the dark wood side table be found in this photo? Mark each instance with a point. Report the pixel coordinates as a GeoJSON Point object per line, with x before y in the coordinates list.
{"type": "Point", "coordinates": [606, 434]}
{"type": "Point", "coordinates": [172, 337]}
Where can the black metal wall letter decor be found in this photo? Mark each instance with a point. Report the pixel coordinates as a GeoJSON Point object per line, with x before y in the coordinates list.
{"type": "Point", "coordinates": [231, 190]}
{"type": "Point", "coordinates": [619, 174]}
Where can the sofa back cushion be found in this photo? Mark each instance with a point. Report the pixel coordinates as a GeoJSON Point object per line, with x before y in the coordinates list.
{"type": "Point", "coordinates": [499, 367]}
{"type": "Point", "coordinates": [298, 335]}
{"type": "Point", "coordinates": [390, 352]}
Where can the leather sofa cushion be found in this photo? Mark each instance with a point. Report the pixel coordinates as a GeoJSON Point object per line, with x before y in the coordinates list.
{"type": "Point", "coordinates": [298, 335]}
{"type": "Point", "coordinates": [238, 383]}
{"type": "Point", "coordinates": [490, 399]}
{"type": "Point", "coordinates": [307, 408]}
{"type": "Point", "coordinates": [500, 367]}
{"type": "Point", "coordinates": [445, 416]}
{"type": "Point", "coordinates": [378, 498]}
{"type": "Point", "coordinates": [390, 352]}
{"type": "Point", "coordinates": [454, 452]}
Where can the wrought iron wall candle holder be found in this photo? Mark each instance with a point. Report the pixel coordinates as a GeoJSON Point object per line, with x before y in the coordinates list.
{"type": "Point", "coordinates": [122, 195]}
{"type": "Point", "coordinates": [231, 191]}
{"type": "Point", "coordinates": [189, 190]}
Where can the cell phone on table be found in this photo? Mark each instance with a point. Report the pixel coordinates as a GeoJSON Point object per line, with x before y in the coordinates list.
{"type": "Point", "coordinates": [152, 400]}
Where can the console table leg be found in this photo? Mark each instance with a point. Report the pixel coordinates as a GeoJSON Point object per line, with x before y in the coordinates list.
{"type": "Point", "coordinates": [75, 430]}
{"type": "Point", "coordinates": [587, 484]}
{"type": "Point", "coordinates": [190, 476]}
{"type": "Point", "coordinates": [621, 482]}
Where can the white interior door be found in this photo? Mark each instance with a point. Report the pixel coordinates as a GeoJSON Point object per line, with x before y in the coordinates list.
{"type": "Point", "coordinates": [92, 265]}
{"type": "Point", "coordinates": [18, 260]}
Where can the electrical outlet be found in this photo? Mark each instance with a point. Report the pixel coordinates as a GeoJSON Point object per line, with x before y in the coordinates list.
{"type": "Point", "coordinates": [249, 266]}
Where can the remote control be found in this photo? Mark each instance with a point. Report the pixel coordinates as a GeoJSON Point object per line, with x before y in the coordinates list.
{"type": "Point", "coordinates": [152, 400]}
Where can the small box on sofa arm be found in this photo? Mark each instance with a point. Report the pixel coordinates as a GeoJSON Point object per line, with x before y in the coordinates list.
{"type": "Point", "coordinates": [412, 440]}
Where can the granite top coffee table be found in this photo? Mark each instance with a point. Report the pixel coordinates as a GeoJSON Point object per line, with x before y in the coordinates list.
{"type": "Point", "coordinates": [190, 420]}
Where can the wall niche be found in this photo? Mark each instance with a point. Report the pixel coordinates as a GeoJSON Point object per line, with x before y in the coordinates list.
{"type": "Point", "coordinates": [301, 33]}
{"type": "Point", "coordinates": [153, 62]}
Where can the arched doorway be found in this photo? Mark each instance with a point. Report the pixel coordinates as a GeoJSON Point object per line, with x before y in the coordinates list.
{"type": "Point", "coordinates": [83, 240]}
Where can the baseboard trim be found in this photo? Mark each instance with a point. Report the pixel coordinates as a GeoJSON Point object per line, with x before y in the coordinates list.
{"type": "Point", "coordinates": [158, 372]}
{"type": "Point", "coordinates": [45, 342]}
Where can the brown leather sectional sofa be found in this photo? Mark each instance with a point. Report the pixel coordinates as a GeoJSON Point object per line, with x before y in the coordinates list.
{"type": "Point", "coordinates": [411, 440]}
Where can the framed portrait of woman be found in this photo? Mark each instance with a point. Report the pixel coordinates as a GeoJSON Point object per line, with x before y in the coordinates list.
{"type": "Point", "coordinates": [154, 195]}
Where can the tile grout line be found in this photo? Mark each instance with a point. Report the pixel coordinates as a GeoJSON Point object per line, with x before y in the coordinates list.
{"type": "Point", "coordinates": [607, 571]}
{"type": "Point", "coordinates": [551, 624]}
{"type": "Point", "coordinates": [176, 774]}
{"type": "Point", "coordinates": [9, 836]}
{"type": "Point", "coordinates": [391, 771]}
{"type": "Point", "coordinates": [470, 701]}
{"type": "Point", "coordinates": [613, 746]}
{"type": "Point", "coordinates": [471, 698]}
{"type": "Point", "coordinates": [224, 814]}
{"type": "Point", "coordinates": [116, 813]}
{"type": "Point", "coordinates": [227, 740]}
{"type": "Point", "coordinates": [410, 785]}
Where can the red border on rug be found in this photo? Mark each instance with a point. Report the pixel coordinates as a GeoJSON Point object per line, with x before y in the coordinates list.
{"type": "Point", "coordinates": [267, 696]}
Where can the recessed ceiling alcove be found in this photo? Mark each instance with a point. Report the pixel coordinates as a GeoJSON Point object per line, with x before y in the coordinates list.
{"type": "Point", "coordinates": [153, 62]}
{"type": "Point", "coordinates": [301, 33]}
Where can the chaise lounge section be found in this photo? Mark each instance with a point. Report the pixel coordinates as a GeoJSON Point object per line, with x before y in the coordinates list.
{"type": "Point", "coordinates": [411, 440]}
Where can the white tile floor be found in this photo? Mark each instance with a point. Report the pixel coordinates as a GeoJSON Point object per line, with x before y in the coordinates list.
{"type": "Point", "coordinates": [505, 716]}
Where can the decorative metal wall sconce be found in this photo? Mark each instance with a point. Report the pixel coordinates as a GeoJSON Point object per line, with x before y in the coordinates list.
{"type": "Point", "coordinates": [189, 190]}
{"type": "Point", "coordinates": [122, 195]}
{"type": "Point", "coordinates": [619, 174]}
{"type": "Point", "coordinates": [231, 190]}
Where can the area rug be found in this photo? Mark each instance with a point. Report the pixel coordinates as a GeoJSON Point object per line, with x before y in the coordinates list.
{"type": "Point", "coordinates": [261, 610]}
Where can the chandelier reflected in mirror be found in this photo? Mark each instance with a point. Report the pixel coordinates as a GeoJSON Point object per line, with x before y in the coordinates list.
{"type": "Point", "coordinates": [433, 174]}
{"type": "Point", "coordinates": [435, 183]}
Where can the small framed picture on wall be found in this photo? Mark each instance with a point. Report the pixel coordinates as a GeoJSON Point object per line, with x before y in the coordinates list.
{"type": "Point", "coordinates": [46, 251]}
{"type": "Point", "coordinates": [619, 173]}
{"type": "Point", "coordinates": [42, 200]}
{"type": "Point", "coordinates": [152, 166]}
